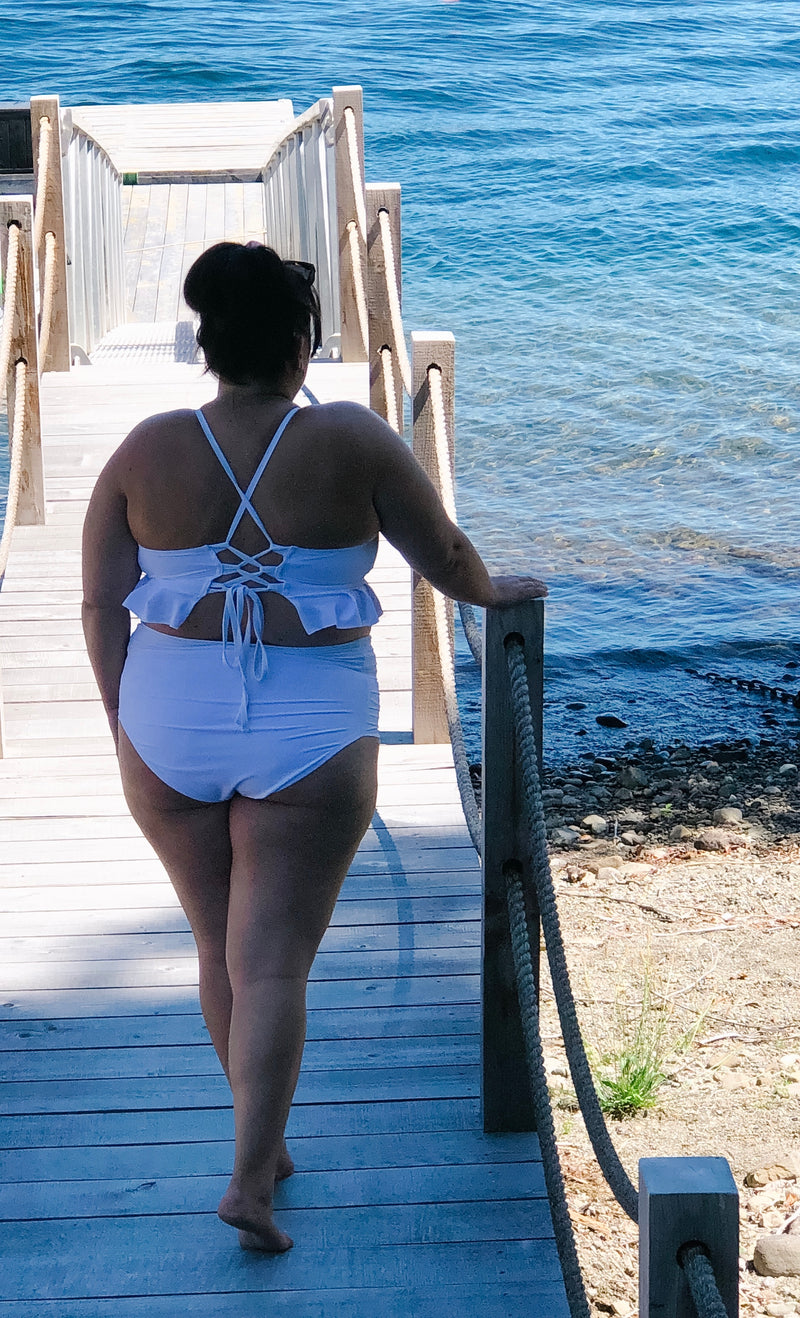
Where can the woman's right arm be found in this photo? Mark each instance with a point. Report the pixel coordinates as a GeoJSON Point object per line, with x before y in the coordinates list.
{"type": "Point", "coordinates": [413, 519]}
{"type": "Point", "coordinates": [110, 572]}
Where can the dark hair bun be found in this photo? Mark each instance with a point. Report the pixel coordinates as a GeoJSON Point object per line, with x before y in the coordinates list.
{"type": "Point", "coordinates": [255, 311]}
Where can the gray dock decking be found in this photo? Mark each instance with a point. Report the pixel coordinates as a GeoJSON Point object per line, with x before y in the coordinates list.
{"type": "Point", "coordinates": [117, 1128]}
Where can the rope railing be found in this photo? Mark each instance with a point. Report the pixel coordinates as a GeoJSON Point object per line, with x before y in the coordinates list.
{"type": "Point", "coordinates": [48, 295]}
{"type": "Point", "coordinates": [359, 282]}
{"type": "Point", "coordinates": [356, 171]}
{"type": "Point", "coordinates": [393, 298]}
{"type": "Point", "coordinates": [444, 640]}
{"type": "Point", "coordinates": [620, 1183]}
{"type": "Point", "coordinates": [15, 474]}
{"type": "Point", "coordinates": [9, 302]}
{"type": "Point", "coordinates": [540, 1094]}
{"type": "Point", "coordinates": [454, 725]}
{"type": "Point", "coordinates": [702, 1282]}
{"type": "Point", "coordinates": [42, 179]}
{"type": "Point", "coordinates": [393, 415]}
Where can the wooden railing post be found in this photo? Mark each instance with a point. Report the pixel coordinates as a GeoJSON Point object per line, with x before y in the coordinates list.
{"type": "Point", "coordinates": [345, 98]}
{"type": "Point", "coordinates": [19, 211]}
{"type": "Point", "coordinates": [685, 1201]}
{"type": "Point", "coordinates": [58, 355]}
{"type": "Point", "coordinates": [429, 716]}
{"type": "Point", "coordinates": [382, 197]}
{"type": "Point", "coordinates": [507, 1103]}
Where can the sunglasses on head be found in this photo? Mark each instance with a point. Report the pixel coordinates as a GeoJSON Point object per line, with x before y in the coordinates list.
{"type": "Point", "coordinates": [304, 269]}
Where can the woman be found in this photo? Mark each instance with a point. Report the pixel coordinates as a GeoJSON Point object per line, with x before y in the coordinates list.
{"type": "Point", "coordinates": [245, 706]}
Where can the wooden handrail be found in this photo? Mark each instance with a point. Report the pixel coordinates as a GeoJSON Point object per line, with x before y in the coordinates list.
{"type": "Point", "coordinates": [382, 197]}
{"type": "Point", "coordinates": [350, 270]}
{"type": "Point", "coordinates": [24, 347]}
{"type": "Point", "coordinates": [57, 356]}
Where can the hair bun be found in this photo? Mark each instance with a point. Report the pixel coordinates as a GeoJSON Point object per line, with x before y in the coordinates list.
{"type": "Point", "coordinates": [253, 315]}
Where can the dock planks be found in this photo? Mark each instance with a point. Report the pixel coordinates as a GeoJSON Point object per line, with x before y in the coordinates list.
{"type": "Point", "coordinates": [115, 1120]}
{"type": "Point", "coordinates": [190, 142]}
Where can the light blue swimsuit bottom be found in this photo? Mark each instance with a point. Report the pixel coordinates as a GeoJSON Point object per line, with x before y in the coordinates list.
{"type": "Point", "coordinates": [179, 703]}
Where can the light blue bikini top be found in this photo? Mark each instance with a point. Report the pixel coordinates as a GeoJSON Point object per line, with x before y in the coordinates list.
{"type": "Point", "coordinates": [326, 586]}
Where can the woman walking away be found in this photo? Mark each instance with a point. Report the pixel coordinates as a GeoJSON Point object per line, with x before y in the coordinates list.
{"type": "Point", "coordinates": [245, 707]}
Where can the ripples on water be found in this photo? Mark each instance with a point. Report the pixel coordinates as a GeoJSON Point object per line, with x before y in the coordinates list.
{"type": "Point", "coordinates": [600, 200]}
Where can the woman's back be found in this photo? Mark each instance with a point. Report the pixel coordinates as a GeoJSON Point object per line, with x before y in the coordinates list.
{"type": "Point", "coordinates": [186, 479]}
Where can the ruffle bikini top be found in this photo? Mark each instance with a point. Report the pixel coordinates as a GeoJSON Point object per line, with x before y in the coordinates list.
{"type": "Point", "coordinates": [326, 586]}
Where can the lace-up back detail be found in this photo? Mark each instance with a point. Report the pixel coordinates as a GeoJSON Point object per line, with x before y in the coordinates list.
{"type": "Point", "coordinates": [325, 586]}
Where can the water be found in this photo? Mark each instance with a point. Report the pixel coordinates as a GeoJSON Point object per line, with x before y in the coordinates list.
{"type": "Point", "coordinates": [600, 201]}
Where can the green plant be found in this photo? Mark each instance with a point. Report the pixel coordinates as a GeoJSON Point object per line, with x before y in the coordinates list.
{"type": "Point", "coordinates": [635, 1071]}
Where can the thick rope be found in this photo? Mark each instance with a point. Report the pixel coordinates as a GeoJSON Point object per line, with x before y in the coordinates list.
{"type": "Point", "coordinates": [15, 475]}
{"type": "Point", "coordinates": [9, 302]}
{"type": "Point", "coordinates": [447, 491]}
{"type": "Point", "coordinates": [702, 1283]}
{"type": "Point", "coordinates": [48, 296]}
{"type": "Point", "coordinates": [392, 414]}
{"type": "Point", "coordinates": [545, 1129]}
{"type": "Point", "coordinates": [358, 283]}
{"type": "Point", "coordinates": [448, 494]}
{"type": "Point", "coordinates": [607, 1156]}
{"type": "Point", "coordinates": [42, 179]}
{"type": "Point", "coordinates": [472, 631]}
{"type": "Point", "coordinates": [355, 170]}
{"type": "Point", "coordinates": [454, 728]}
{"type": "Point", "coordinates": [393, 295]}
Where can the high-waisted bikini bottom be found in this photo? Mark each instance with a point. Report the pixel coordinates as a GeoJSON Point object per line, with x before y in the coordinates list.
{"type": "Point", "coordinates": [179, 702]}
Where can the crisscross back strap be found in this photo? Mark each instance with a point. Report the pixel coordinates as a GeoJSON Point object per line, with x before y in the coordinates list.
{"type": "Point", "coordinates": [246, 505]}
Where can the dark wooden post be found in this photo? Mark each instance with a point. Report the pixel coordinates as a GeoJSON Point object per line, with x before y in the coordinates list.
{"type": "Point", "coordinates": [685, 1201]}
{"type": "Point", "coordinates": [24, 347]}
{"type": "Point", "coordinates": [506, 1092]}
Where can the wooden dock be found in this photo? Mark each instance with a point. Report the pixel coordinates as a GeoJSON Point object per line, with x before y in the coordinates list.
{"type": "Point", "coordinates": [116, 1132]}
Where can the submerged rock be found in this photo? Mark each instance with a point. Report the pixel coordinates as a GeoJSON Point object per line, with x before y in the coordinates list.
{"type": "Point", "coordinates": [610, 721]}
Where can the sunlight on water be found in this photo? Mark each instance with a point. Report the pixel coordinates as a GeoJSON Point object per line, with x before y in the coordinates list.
{"type": "Point", "coordinates": [600, 201]}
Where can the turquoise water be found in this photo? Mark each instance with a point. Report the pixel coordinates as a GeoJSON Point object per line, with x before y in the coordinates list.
{"type": "Point", "coordinates": [601, 202]}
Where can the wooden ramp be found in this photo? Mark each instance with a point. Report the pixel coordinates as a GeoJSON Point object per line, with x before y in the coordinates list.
{"type": "Point", "coordinates": [190, 142]}
{"type": "Point", "coordinates": [116, 1127]}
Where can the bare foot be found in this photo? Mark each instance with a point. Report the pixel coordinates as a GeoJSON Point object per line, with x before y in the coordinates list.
{"type": "Point", "coordinates": [250, 1240]}
{"type": "Point", "coordinates": [285, 1165]}
{"type": "Point", "coordinates": [252, 1216]}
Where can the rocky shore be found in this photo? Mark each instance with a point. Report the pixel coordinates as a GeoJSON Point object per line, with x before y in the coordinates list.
{"type": "Point", "coordinates": [677, 873]}
{"type": "Point", "coordinates": [711, 798]}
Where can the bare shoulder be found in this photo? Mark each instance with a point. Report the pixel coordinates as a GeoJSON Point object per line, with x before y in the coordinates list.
{"type": "Point", "coordinates": [350, 424]}
{"type": "Point", "coordinates": [151, 441]}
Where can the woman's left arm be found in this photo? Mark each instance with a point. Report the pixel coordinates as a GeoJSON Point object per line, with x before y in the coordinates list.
{"type": "Point", "coordinates": [110, 572]}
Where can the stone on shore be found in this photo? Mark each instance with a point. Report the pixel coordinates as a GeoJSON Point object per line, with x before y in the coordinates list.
{"type": "Point", "coordinates": [785, 1168]}
{"type": "Point", "coordinates": [597, 824]}
{"type": "Point", "coordinates": [680, 833]}
{"type": "Point", "coordinates": [727, 814]}
{"type": "Point", "coordinates": [565, 837]}
{"type": "Point", "coordinates": [777, 1256]}
{"type": "Point", "coordinates": [715, 839]}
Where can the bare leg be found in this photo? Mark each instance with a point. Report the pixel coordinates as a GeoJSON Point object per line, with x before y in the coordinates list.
{"type": "Point", "coordinates": [192, 841]}
{"type": "Point", "coordinates": [291, 853]}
